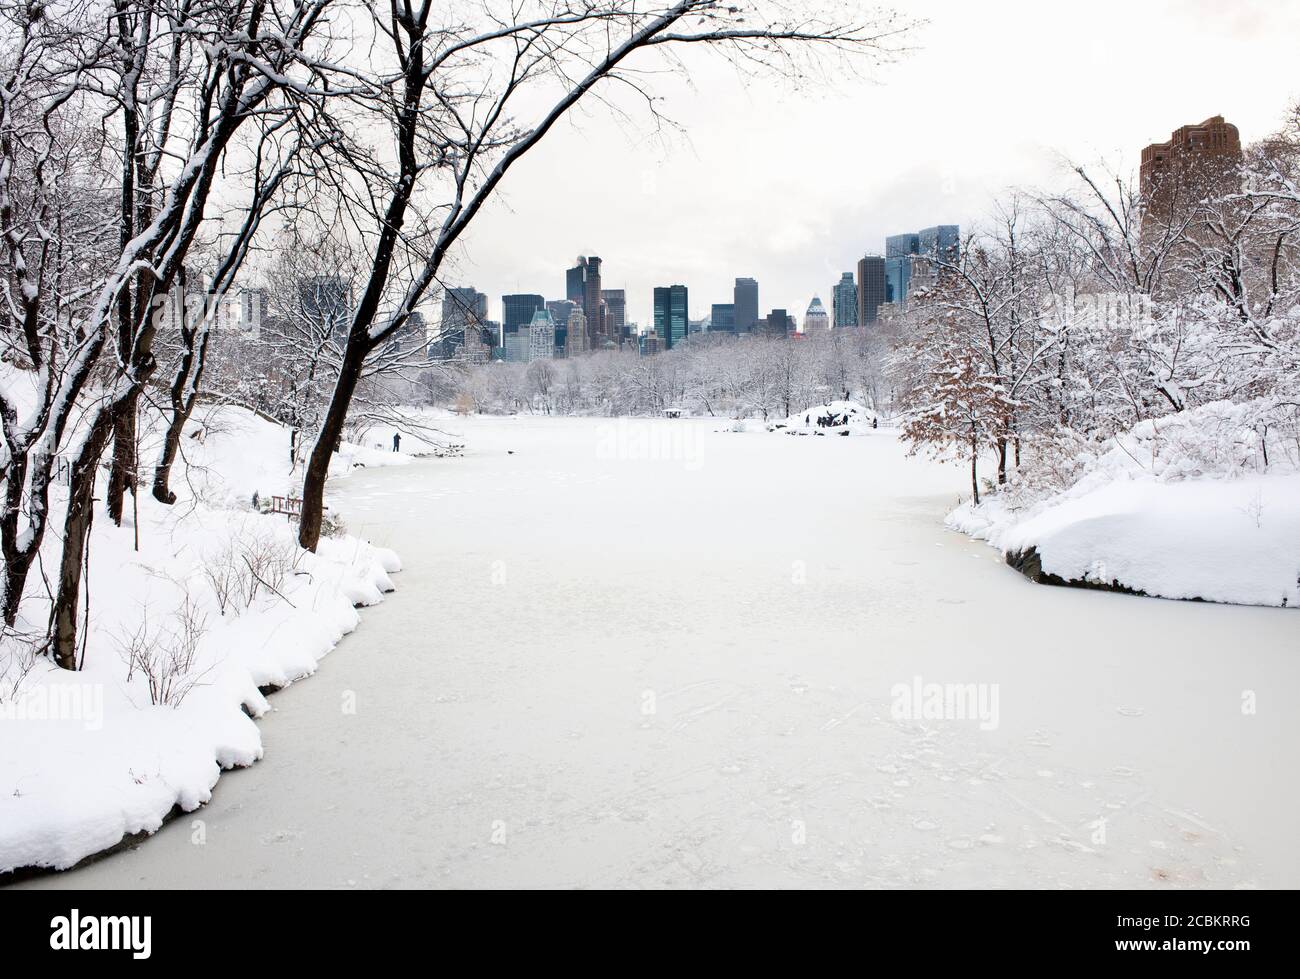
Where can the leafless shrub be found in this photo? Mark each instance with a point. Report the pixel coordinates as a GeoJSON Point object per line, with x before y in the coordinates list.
{"type": "Point", "coordinates": [222, 574]}
{"type": "Point", "coordinates": [270, 561]}
{"type": "Point", "coordinates": [18, 655]}
{"type": "Point", "coordinates": [249, 564]}
{"type": "Point", "coordinates": [165, 657]}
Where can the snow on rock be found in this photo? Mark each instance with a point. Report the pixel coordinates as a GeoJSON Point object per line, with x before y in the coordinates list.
{"type": "Point", "coordinates": [1183, 508]}
{"type": "Point", "coordinates": [90, 757]}
{"type": "Point", "coordinates": [835, 418]}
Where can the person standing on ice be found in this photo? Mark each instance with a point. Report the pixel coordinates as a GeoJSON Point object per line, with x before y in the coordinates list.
{"type": "Point", "coordinates": [397, 441]}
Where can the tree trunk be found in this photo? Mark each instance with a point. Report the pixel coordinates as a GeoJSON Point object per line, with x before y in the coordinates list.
{"type": "Point", "coordinates": [122, 477]}
{"type": "Point", "coordinates": [1002, 461]}
{"type": "Point", "coordinates": [974, 472]}
{"type": "Point", "coordinates": [18, 560]}
{"type": "Point", "coordinates": [331, 432]}
{"type": "Point", "coordinates": [171, 448]}
{"type": "Point", "coordinates": [17, 566]}
{"type": "Point", "coordinates": [184, 396]}
{"type": "Point", "coordinates": [81, 503]}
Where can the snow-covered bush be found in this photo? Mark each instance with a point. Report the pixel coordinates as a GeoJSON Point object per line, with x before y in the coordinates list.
{"type": "Point", "coordinates": [1204, 504]}
{"type": "Point", "coordinates": [1219, 439]}
{"type": "Point", "coordinates": [834, 418]}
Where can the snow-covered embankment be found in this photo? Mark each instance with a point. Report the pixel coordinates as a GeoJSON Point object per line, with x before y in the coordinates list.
{"type": "Point", "coordinates": [184, 637]}
{"type": "Point", "coordinates": [1202, 506]}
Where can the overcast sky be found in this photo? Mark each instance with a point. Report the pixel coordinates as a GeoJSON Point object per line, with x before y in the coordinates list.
{"type": "Point", "coordinates": [793, 187]}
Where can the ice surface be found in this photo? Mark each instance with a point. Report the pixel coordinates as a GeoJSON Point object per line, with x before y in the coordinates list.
{"type": "Point", "coordinates": [663, 653]}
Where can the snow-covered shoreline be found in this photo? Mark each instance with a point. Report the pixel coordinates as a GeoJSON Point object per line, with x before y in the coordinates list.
{"type": "Point", "coordinates": [185, 636]}
{"type": "Point", "coordinates": [1185, 508]}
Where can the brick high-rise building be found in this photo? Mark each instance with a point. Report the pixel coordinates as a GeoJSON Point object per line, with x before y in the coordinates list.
{"type": "Point", "coordinates": [582, 286]}
{"type": "Point", "coordinates": [1199, 161]}
{"type": "Point", "coordinates": [593, 304]}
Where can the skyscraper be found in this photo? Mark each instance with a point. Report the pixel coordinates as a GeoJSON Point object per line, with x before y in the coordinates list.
{"type": "Point", "coordinates": [462, 309]}
{"type": "Point", "coordinates": [516, 346]}
{"type": "Point", "coordinates": [723, 318]}
{"type": "Point", "coordinates": [476, 349]}
{"type": "Point", "coordinates": [541, 337]}
{"type": "Point", "coordinates": [942, 242]}
{"type": "Point", "coordinates": [615, 314]}
{"type": "Point", "coordinates": [518, 310]}
{"type": "Point", "coordinates": [582, 284]}
{"type": "Point", "coordinates": [899, 250]}
{"type": "Point", "coordinates": [576, 337]}
{"type": "Point", "coordinates": [927, 249]}
{"type": "Point", "coordinates": [672, 316]}
{"type": "Point", "coordinates": [575, 281]}
{"type": "Point", "coordinates": [845, 301]}
{"type": "Point", "coordinates": [561, 310]}
{"type": "Point", "coordinates": [897, 246]}
{"type": "Point", "coordinates": [816, 320]}
{"type": "Point", "coordinates": [593, 306]}
{"type": "Point", "coordinates": [872, 289]}
{"type": "Point", "coordinates": [746, 303]}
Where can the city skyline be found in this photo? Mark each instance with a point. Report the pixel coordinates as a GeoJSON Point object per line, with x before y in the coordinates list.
{"type": "Point", "coordinates": [611, 305]}
{"type": "Point", "coordinates": [689, 212]}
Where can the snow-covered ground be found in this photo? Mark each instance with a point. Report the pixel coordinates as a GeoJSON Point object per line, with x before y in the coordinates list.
{"type": "Point", "coordinates": [835, 418]}
{"type": "Point", "coordinates": [1193, 506]}
{"type": "Point", "coordinates": [665, 653]}
{"type": "Point", "coordinates": [217, 602]}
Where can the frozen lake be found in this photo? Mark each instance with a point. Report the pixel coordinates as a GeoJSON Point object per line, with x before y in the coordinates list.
{"type": "Point", "coordinates": [647, 654]}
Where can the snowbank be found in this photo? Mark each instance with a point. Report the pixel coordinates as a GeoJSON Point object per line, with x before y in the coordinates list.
{"type": "Point", "coordinates": [183, 635]}
{"type": "Point", "coordinates": [836, 418]}
{"type": "Point", "coordinates": [1191, 507]}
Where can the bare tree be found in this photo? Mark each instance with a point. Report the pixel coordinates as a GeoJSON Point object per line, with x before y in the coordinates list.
{"type": "Point", "coordinates": [55, 211]}
{"type": "Point", "coordinates": [231, 64]}
{"type": "Point", "coordinates": [451, 104]}
{"type": "Point", "coordinates": [275, 163]}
